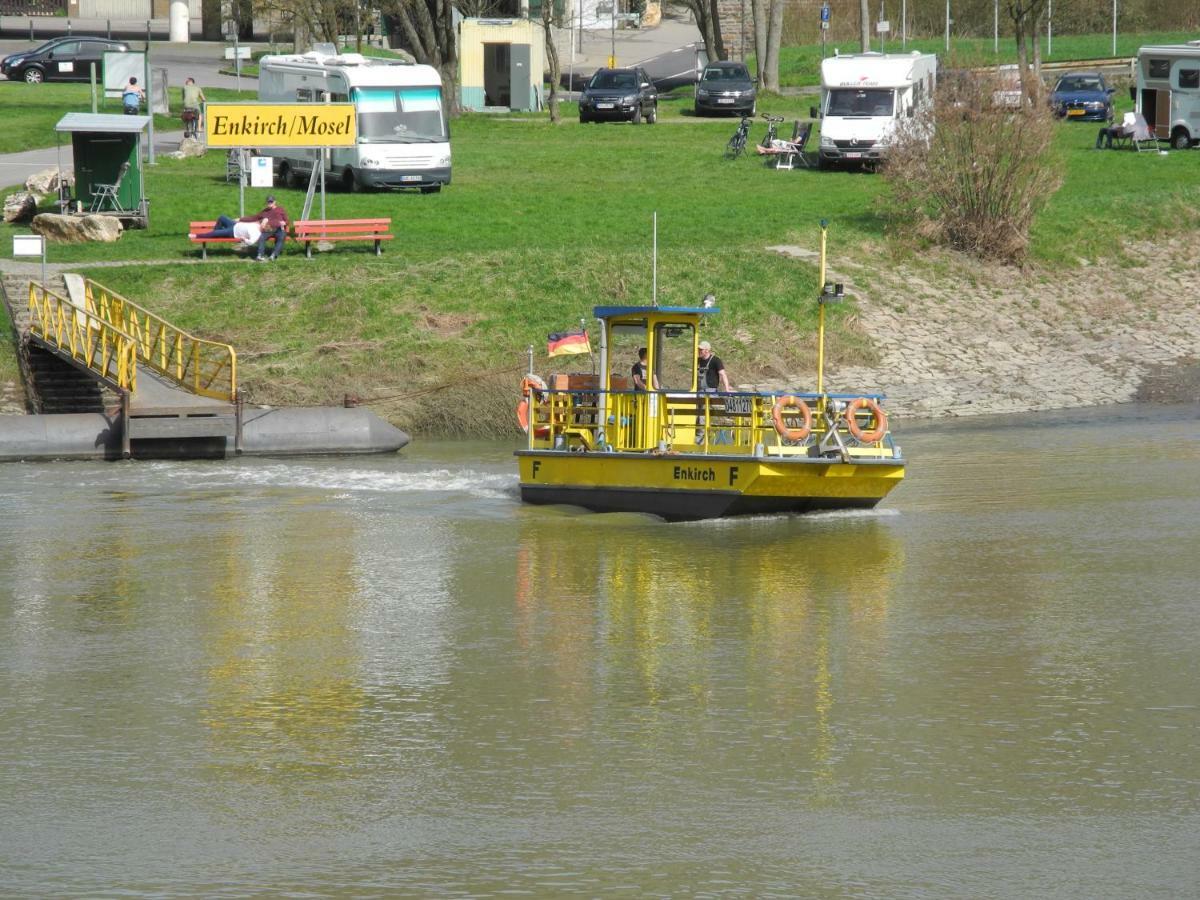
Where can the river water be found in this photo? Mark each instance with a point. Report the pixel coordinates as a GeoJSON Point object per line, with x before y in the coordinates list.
{"type": "Point", "coordinates": [385, 676]}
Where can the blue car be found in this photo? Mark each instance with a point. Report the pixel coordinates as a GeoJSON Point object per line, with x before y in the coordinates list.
{"type": "Point", "coordinates": [1084, 96]}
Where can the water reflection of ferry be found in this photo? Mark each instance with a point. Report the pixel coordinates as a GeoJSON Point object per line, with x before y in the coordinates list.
{"type": "Point", "coordinates": [683, 452]}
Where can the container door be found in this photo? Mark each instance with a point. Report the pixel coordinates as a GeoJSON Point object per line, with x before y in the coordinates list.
{"type": "Point", "coordinates": [98, 159]}
{"type": "Point", "coordinates": [520, 77]}
{"type": "Point", "coordinates": [1162, 116]}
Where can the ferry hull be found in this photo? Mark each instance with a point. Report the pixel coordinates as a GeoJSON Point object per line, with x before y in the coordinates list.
{"type": "Point", "coordinates": [681, 487]}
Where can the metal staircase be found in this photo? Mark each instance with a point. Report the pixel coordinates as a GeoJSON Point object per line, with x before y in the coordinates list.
{"type": "Point", "coordinates": [83, 348]}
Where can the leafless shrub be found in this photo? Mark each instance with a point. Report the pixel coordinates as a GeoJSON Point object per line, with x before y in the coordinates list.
{"type": "Point", "coordinates": [972, 172]}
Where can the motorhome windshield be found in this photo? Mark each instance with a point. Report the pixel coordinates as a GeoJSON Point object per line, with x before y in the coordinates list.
{"type": "Point", "coordinates": [400, 114]}
{"type": "Point", "coordinates": [861, 102]}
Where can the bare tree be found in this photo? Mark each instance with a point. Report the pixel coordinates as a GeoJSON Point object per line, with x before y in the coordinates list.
{"type": "Point", "coordinates": [768, 30]}
{"type": "Point", "coordinates": [1027, 17]}
{"type": "Point", "coordinates": [708, 20]}
{"type": "Point", "coordinates": [552, 53]}
{"type": "Point", "coordinates": [428, 30]}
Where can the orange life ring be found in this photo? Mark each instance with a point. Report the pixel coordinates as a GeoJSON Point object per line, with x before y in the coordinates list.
{"type": "Point", "coordinates": [856, 431]}
{"type": "Point", "coordinates": [529, 385]}
{"type": "Point", "coordinates": [791, 434]}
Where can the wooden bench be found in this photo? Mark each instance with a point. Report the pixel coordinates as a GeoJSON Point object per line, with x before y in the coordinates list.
{"type": "Point", "coordinates": [314, 230]}
{"type": "Point", "coordinates": [197, 228]}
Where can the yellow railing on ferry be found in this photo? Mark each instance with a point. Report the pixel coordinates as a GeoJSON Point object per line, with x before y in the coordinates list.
{"type": "Point", "coordinates": [89, 339]}
{"type": "Point", "coordinates": [206, 368]}
{"type": "Point", "coordinates": [700, 423]}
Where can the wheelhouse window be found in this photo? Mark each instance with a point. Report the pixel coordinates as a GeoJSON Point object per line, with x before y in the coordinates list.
{"type": "Point", "coordinates": [675, 364]}
{"type": "Point", "coordinates": [400, 114]}
{"type": "Point", "coordinates": [861, 102]}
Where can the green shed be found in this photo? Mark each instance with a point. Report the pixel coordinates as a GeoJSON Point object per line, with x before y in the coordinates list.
{"type": "Point", "coordinates": [107, 151]}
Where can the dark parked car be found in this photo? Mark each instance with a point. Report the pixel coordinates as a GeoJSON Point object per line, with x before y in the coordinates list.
{"type": "Point", "coordinates": [62, 59]}
{"type": "Point", "coordinates": [725, 87]}
{"type": "Point", "coordinates": [619, 94]}
{"type": "Point", "coordinates": [1084, 96]}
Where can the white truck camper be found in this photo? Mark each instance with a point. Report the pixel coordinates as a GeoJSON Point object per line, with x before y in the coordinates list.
{"type": "Point", "coordinates": [864, 96]}
{"type": "Point", "coordinates": [403, 131]}
{"type": "Point", "coordinates": [1167, 93]}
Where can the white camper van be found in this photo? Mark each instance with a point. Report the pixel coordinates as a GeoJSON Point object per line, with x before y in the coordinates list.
{"type": "Point", "coordinates": [403, 132]}
{"type": "Point", "coordinates": [864, 95]}
{"type": "Point", "coordinates": [1168, 91]}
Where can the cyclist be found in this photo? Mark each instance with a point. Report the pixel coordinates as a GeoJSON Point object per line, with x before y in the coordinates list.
{"type": "Point", "coordinates": [193, 96]}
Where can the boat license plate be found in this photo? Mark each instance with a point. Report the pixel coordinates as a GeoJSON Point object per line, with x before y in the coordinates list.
{"type": "Point", "coordinates": [604, 106]}
{"type": "Point", "coordinates": [410, 177]}
{"type": "Point", "coordinates": [854, 155]}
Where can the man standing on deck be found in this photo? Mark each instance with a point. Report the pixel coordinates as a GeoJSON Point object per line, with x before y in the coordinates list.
{"type": "Point", "coordinates": [711, 370]}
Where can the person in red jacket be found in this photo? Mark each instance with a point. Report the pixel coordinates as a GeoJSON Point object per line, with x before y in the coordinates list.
{"type": "Point", "coordinates": [273, 219]}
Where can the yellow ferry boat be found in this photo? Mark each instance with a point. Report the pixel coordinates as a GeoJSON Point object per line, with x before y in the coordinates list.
{"type": "Point", "coordinates": [681, 451]}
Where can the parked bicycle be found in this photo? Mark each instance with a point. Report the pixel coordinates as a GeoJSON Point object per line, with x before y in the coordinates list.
{"type": "Point", "coordinates": [737, 143]}
{"type": "Point", "coordinates": [191, 121]}
{"type": "Point", "coordinates": [772, 130]}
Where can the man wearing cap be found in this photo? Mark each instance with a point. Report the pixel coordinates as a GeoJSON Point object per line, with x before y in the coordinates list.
{"type": "Point", "coordinates": [711, 370]}
{"type": "Point", "coordinates": [273, 220]}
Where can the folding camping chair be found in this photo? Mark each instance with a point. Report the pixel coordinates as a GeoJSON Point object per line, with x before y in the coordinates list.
{"type": "Point", "coordinates": [788, 153]}
{"type": "Point", "coordinates": [1143, 136]}
{"type": "Point", "coordinates": [109, 193]}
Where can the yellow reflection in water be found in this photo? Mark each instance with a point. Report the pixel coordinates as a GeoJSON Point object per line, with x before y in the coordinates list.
{"type": "Point", "coordinates": [283, 681]}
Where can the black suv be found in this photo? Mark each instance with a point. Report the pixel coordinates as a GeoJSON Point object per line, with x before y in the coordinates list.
{"type": "Point", "coordinates": [620, 95]}
{"type": "Point", "coordinates": [725, 87]}
{"type": "Point", "coordinates": [62, 59]}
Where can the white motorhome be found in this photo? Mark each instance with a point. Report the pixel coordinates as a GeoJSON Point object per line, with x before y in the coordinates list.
{"type": "Point", "coordinates": [1168, 91]}
{"type": "Point", "coordinates": [403, 131]}
{"type": "Point", "coordinates": [864, 95]}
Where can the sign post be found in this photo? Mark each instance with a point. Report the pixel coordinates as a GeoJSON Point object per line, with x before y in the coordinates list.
{"type": "Point", "coordinates": [31, 245]}
{"type": "Point", "coordinates": [824, 26]}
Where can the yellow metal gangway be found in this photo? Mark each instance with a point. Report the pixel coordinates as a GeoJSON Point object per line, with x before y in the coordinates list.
{"type": "Point", "coordinates": [112, 336]}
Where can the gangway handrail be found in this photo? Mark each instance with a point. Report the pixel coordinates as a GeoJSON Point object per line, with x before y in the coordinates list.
{"type": "Point", "coordinates": [203, 367]}
{"type": "Point", "coordinates": [99, 345]}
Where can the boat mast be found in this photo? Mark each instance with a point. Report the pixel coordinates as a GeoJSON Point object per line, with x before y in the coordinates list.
{"type": "Point", "coordinates": [654, 266]}
{"type": "Point", "coordinates": [830, 293]}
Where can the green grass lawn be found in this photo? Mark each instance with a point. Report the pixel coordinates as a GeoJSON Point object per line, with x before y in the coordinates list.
{"type": "Point", "coordinates": [543, 222]}
{"type": "Point", "coordinates": [801, 65]}
{"type": "Point", "coordinates": [30, 111]}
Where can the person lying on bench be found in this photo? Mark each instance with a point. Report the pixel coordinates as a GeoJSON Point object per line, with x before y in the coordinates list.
{"type": "Point", "coordinates": [248, 230]}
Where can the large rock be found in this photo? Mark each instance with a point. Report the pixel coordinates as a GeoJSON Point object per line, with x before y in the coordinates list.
{"type": "Point", "coordinates": [19, 207]}
{"type": "Point", "coordinates": [189, 146]}
{"type": "Point", "coordinates": [46, 181]}
{"type": "Point", "coordinates": [77, 229]}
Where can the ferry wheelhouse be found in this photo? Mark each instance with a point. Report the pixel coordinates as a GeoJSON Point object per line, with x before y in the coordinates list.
{"type": "Point", "coordinates": [680, 451]}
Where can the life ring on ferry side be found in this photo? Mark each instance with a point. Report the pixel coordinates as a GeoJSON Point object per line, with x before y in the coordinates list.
{"type": "Point", "coordinates": [781, 428]}
{"type": "Point", "coordinates": [529, 384]}
{"type": "Point", "coordinates": [856, 431]}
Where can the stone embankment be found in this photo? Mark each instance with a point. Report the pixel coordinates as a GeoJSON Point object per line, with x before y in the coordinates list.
{"type": "Point", "coordinates": [982, 340]}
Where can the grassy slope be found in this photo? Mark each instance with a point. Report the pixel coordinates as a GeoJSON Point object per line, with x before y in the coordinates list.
{"type": "Point", "coordinates": [540, 224]}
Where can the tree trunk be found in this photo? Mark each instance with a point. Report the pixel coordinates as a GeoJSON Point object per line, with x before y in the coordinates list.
{"type": "Point", "coordinates": [864, 15]}
{"type": "Point", "coordinates": [759, 12]}
{"type": "Point", "coordinates": [552, 53]}
{"type": "Point", "coordinates": [774, 36]}
{"type": "Point", "coordinates": [708, 20]}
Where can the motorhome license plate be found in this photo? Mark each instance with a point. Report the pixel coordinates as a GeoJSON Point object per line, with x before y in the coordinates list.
{"type": "Point", "coordinates": [604, 106]}
{"type": "Point", "coordinates": [410, 177]}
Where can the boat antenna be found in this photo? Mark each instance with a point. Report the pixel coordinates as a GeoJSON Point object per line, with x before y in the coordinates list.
{"type": "Point", "coordinates": [654, 266]}
{"type": "Point", "coordinates": [530, 351]}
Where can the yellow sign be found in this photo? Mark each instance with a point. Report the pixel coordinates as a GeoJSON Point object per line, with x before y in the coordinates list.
{"type": "Point", "coordinates": [281, 125]}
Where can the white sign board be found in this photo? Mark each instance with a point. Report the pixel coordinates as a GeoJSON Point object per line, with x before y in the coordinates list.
{"type": "Point", "coordinates": [261, 174]}
{"type": "Point", "coordinates": [28, 244]}
{"type": "Point", "coordinates": [237, 52]}
{"type": "Point", "coordinates": [119, 67]}
{"type": "Point", "coordinates": [883, 27]}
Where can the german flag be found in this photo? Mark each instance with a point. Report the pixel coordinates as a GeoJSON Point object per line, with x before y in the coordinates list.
{"type": "Point", "coordinates": [565, 343]}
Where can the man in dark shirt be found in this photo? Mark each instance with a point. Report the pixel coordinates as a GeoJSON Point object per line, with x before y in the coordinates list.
{"type": "Point", "coordinates": [273, 219]}
{"type": "Point", "coordinates": [639, 373]}
{"type": "Point", "coordinates": [711, 370]}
